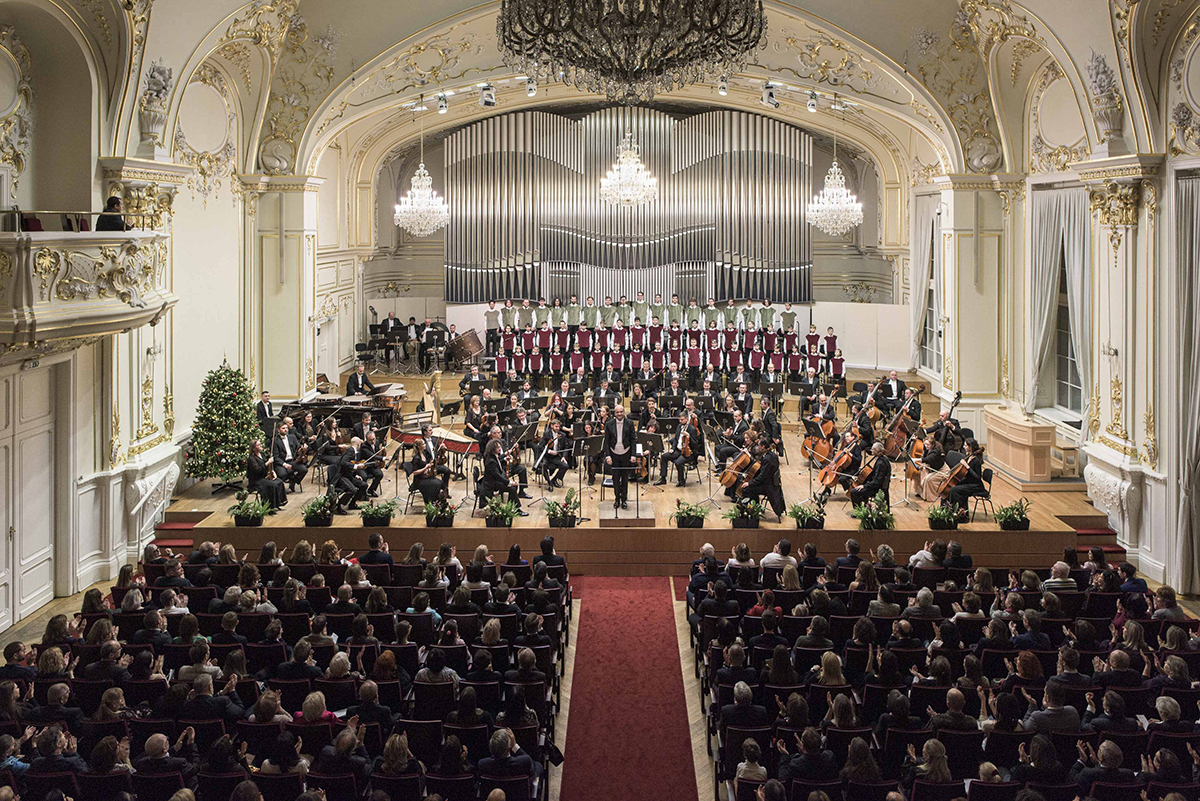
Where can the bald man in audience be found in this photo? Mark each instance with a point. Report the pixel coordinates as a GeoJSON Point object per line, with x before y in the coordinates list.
{"type": "Point", "coordinates": [953, 719]}
{"type": "Point", "coordinates": [159, 758]}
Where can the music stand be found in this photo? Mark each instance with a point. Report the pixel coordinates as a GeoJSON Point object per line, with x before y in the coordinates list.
{"type": "Point", "coordinates": [671, 403]}
{"type": "Point", "coordinates": [636, 405]}
{"type": "Point", "coordinates": [710, 436]}
{"type": "Point", "coordinates": [724, 419]}
{"type": "Point", "coordinates": [585, 449]}
{"type": "Point", "coordinates": [652, 448]}
{"type": "Point", "coordinates": [494, 405]}
{"type": "Point", "coordinates": [705, 403]}
{"type": "Point", "coordinates": [649, 385]}
{"type": "Point", "coordinates": [477, 387]}
{"type": "Point", "coordinates": [905, 460]}
{"type": "Point", "coordinates": [811, 429]}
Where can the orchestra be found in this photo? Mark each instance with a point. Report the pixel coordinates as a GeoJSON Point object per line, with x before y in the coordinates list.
{"type": "Point", "coordinates": [655, 384]}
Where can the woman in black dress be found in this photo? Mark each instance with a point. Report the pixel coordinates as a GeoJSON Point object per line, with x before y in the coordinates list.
{"type": "Point", "coordinates": [262, 480]}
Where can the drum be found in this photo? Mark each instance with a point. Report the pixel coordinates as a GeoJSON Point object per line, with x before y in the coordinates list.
{"type": "Point", "coordinates": [464, 348]}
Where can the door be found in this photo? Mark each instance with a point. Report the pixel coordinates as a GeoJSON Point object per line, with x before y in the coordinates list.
{"type": "Point", "coordinates": [327, 361]}
{"type": "Point", "coordinates": [30, 547]}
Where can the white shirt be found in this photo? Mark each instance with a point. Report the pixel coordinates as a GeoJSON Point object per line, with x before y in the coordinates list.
{"type": "Point", "coordinates": [287, 448]}
{"type": "Point", "coordinates": [775, 560]}
{"type": "Point", "coordinates": [620, 447]}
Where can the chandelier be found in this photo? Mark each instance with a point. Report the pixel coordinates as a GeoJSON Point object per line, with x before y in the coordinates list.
{"type": "Point", "coordinates": [628, 183]}
{"type": "Point", "coordinates": [835, 210]}
{"type": "Point", "coordinates": [629, 49]}
{"type": "Point", "coordinates": [421, 211]}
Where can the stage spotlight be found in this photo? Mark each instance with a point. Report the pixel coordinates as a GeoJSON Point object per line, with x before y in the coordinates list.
{"type": "Point", "coordinates": [768, 97]}
{"type": "Point", "coordinates": [530, 87]}
{"type": "Point", "coordinates": [487, 96]}
{"type": "Point", "coordinates": [443, 104]}
{"type": "Point", "coordinates": [723, 86]}
{"type": "Point", "coordinates": [812, 102]}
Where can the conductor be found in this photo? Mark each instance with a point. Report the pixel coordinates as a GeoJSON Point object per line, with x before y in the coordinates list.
{"type": "Point", "coordinates": [618, 453]}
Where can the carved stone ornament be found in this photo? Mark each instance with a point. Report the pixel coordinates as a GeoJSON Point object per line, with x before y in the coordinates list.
{"type": "Point", "coordinates": [127, 272]}
{"type": "Point", "coordinates": [1108, 109]}
{"type": "Point", "coordinates": [16, 129]}
{"type": "Point", "coordinates": [152, 107]}
{"type": "Point", "coordinates": [1116, 203]}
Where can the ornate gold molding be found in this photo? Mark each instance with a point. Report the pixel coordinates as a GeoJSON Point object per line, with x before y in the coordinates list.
{"type": "Point", "coordinates": [1004, 376]}
{"type": "Point", "coordinates": [45, 266]}
{"type": "Point", "coordinates": [310, 373]}
{"type": "Point", "coordinates": [137, 450]}
{"type": "Point", "coordinates": [147, 427]}
{"type": "Point", "coordinates": [115, 459]}
{"type": "Point", "coordinates": [1150, 443]}
{"type": "Point", "coordinates": [947, 372]}
{"type": "Point", "coordinates": [1126, 450]}
{"type": "Point", "coordinates": [6, 269]}
{"type": "Point", "coordinates": [1092, 423]}
{"type": "Point", "coordinates": [168, 413]}
{"type": "Point", "coordinates": [1116, 203]}
{"type": "Point", "coordinates": [1116, 425]}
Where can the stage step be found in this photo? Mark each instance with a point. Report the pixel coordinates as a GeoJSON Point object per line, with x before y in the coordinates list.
{"type": "Point", "coordinates": [1105, 538]}
{"type": "Point", "coordinates": [174, 534]}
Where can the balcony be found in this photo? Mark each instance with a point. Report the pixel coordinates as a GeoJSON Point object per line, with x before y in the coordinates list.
{"type": "Point", "coordinates": [62, 289]}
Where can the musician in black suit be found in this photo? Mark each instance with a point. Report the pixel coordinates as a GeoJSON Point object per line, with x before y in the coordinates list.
{"type": "Point", "coordinates": [373, 454]}
{"type": "Point", "coordinates": [258, 469]}
{"type": "Point", "coordinates": [619, 447]}
{"type": "Point", "coordinates": [265, 411]}
{"type": "Point", "coordinates": [344, 479]}
{"type": "Point", "coordinates": [554, 451]}
{"type": "Point", "coordinates": [495, 478]}
{"type": "Point", "coordinates": [649, 412]}
{"type": "Point", "coordinates": [364, 426]}
{"type": "Point", "coordinates": [675, 455]}
{"type": "Point", "coordinates": [744, 400]}
{"type": "Point", "coordinates": [911, 405]}
{"type": "Point", "coordinates": [860, 421]}
{"type": "Point", "coordinates": [945, 432]}
{"type": "Point", "coordinates": [735, 439]}
{"type": "Point", "coordinates": [766, 483]}
{"type": "Point", "coordinates": [824, 408]}
{"type": "Point", "coordinates": [358, 383]}
{"type": "Point", "coordinates": [971, 483]}
{"type": "Point", "coordinates": [425, 475]}
{"type": "Point", "coordinates": [770, 422]}
{"type": "Point", "coordinates": [854, 447]}
{"type": "Point", "coordinates": [811, 386]}
{"type": "Point", "coordinates": [605, 394]}
{"type": "Point", "coordinates": [894, 387]}
{"type": "Point", "coordinates": [465, 384]}
{"type": "Point", "coordinates": [427, 344]}
{"type": "Point", "coordinates": [611, 376]}
{"type": "Point", "coordinates": [284, 451]}
{"type": "Point", "coordinates": [879, 480]}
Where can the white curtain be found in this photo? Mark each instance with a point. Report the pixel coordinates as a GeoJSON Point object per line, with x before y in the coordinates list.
{"type": "Point", "coordinates": [925, 223]}
{"type": "Point", "coordinates": [1187, 268]}
{"type": "Point", "coordinates": [1077, 246]}
{"type": "Point", "coordinates": [1046, 226]}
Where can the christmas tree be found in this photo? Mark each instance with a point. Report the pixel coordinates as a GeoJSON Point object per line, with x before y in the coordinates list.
{"type": "Point", "coordinates": [225, 426]}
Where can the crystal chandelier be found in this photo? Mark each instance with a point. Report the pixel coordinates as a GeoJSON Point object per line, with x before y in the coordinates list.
{"type": "Point", "coordinates": [835, 210]}
{"type": "Point", "coordinates": [421, 211]}
{"type": "Point", "coordinates": [628, 183]}
{"type": "Point", "coordinates": [629, 50]}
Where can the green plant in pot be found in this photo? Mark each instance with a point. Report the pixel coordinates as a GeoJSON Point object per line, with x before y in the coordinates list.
{"type": "Point", "coordinates": [378, 513]}
{"type": "Point", "coordinates": [318, 511]}
{"type": "Point", "coordinates": [745, 514]}
{"type": "Point", "coordinates": [874, 514]}
{"type": "Point", "coordinates": [942, 518]}
{"type": "Point", "coordinates": [564, 514]}
{"type": "Point", "coordinates": [689, 515]}
{"type": "Point", "coordinates": [809, 515]}
{"type": "Point", "coordinates": [249, 509]}
{"type": "Point", "coordinates": [1014, 516]}
{"type": "Point", "coordinates": [439, 513]}
{"type": "Point", "coordinates": [499, 513]}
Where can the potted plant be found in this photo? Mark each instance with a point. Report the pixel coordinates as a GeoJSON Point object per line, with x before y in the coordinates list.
{"type": "Point", "coordinates": [941, 518]}
{"type": "Point", "coordinates": [318, 511]}
{"type": "Point", "coordinates": [565, 514]}
{"type": "Point", "coordinates": [499, 512]}
{"type": "Point", "coordinates": [874, 515]}
{"type": "Point", "coordinates": [689, 515]}
{"type": "Point", "coordinates": [440, 513]}
{"type": "Point", "coordinates": [1014, 516]}
{"type": "Point", "coordinates": [810, 516]}
{"type": "Point", "coordinates": [377, 514]}
{"type": "Point", "coordinates": [249, 509]}
{"type": "Point", "coordinates": [745, 514]}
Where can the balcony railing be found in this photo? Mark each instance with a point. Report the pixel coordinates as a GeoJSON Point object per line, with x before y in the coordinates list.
{"type": "Point", "coordinates": [62, 285]}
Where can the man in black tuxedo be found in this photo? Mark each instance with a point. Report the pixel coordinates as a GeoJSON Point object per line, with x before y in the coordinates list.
{"type": "Point", "coordinates": [766, 482]}
{"type": "Point", "coordinates": [619, 443]}
{"type": "Point", "coordinates": [811, 385]}
{"type": "Point", "coordinates": [112, 665]}
{"type": "Point", "coordinates": [284, 449]}
{"type": "Point", "coordinates": [824, 408]}
{"type": "Point", "coordinates": [735, 439]}
{"type": "Point", "coordinates": [364, 425]}
{"type": "Point", "coordinates": [744, 400]}
{"type": "Point", "coordinates": [358, 383]}
{"type": "Point", "coordinates": [265, 411]}
{"type": "Point", "coordinates": [369, 710]}
{"type": "Point", "coordinates": [495, 478]}
{"type": "Point", "coordinates": [344, 479]}
{"type": "Point", "coordinates": [879, 480]}
{"type": "Point", "coordinates": [611, 376]}
{"type": "Point", "coordinates": [427, 344]}
{"type": "Point", "coordinates": [893, 388]}
{"type": "Point", "coordinates": [553, 450]}
{"type": "Point", "coordinates": [675, 455]}
{"type": "Point", "coordinates": [771, 427]}
{"type": "Point", "coordinates": [372, 471]}
{"type": "Point", "coordinates": [649, 412]}
{"type": "Point", "coordinates": [911, 405]}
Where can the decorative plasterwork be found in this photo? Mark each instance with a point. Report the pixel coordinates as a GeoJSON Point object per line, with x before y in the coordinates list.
{"type": "Point", "coordinates": [115, 459]}
{"type": "Point", "coordinates": [212, 168]}
{"type": "Point", "coordinates": [302, 77]}
{"type": "Point", "coordinates": [147, 427]}
{"type": "Point", "coordinates": [1116, 423]}
{"type": "Point", "coordinates": [993, 22]}
{"type": "Point", "coordinates": [1108, 109]}
{"type": "Point", "coordinates": [1092, 422]}
{"type": "Point", "coordinates": [1183, 124]}
{"type": "Point", "coordinates": [327, 311]}
{"type": "Point", "coordinates": [1116, 203]}
{"type": "Point", "coordinates": [265, 23]}
{"type": "Point", "coordinates": [1122, 11]}
{"type": "Point", "coordinates": [14, 352]}
{"type": "Point", "coordinates": [16, 129]}
{"type": "Point", "coordinates": [137, 14]}
{"type": "Point", "coordinates": [152, 106]}
{"type": "Point", "coordinates": [1150, 443]}
{"type": "Point", "coordinates": [127, 273]}
{"type": "Point", "coordinates": [953, 72]}
{"type": "Point", "coordinates": [1044, 156]}
{"type": "Point", "coordinates": [238, 54]}
{"type": "Point", "coordinates": [1023, 49]}
{"type": "Point", "coordinates": [96, 9]}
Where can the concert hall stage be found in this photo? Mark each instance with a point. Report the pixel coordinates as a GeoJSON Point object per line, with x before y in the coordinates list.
{"type": "Point", "coordinates": [658, 548]}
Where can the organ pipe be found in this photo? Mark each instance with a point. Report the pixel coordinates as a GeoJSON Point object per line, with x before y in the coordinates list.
{"type": "Point", "coordinates": [527, 219]}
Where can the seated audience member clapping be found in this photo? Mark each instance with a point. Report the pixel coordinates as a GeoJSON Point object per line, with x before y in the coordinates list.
{"type": "Point", "coordinates": [812, 762]}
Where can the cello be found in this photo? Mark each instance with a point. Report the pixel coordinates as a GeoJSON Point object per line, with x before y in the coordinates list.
{"type": "Point", "coordinates": [819, 449]}
{"type": "Point", "coordinates": [870, 408]}
{"type": "Point", "coordinates": [830, 473]}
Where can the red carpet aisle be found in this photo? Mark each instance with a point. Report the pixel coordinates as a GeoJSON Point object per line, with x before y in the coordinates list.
{"type": "Point", "coordinates": [628, 736]}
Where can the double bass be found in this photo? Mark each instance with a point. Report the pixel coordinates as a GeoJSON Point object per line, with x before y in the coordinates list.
{"type": "Point", "coordinates": [819, 449]}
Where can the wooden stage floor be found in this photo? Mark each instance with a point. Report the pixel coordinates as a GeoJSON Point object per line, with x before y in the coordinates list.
{"type": "Point", "coordinates": [657, 547]}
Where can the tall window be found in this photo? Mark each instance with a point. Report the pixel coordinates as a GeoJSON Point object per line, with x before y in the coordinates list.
{"type": "Point", "coordinates": [1068, 389]}
{"type": "Point", "coordinates": [931, 342]}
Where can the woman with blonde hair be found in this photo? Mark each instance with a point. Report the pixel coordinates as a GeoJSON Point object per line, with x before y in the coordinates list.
{"type": "Point", "coordinates": [932, 766]}
{"type": "Point", "coordinates": [481, 556]}
{"type": "Point", "coordinates": [790, 580]}
{"type": "Point", "coordinates": [415, 554]}
{"type": "Point", "coordinates": [227, 555]}
{"type": "Point", "coordinates": [396, 759]}
{"type": "Point", "coordinates": [830, 671]}
{"type": "Point", "coordinates": [112, 705]}
{"type": "Point", "coordinates": [355, 577]}
{"type": "Point", "coordinates": [339, 668]}
{"type": "Point", "coordinates": [331, 554]}
{"type": "Point", "coordinates": [52, 666]}
{"type": "Point", "coordinates": [313, 709]}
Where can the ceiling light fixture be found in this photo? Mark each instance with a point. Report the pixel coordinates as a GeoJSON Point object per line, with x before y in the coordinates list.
{"type": "Point", "coordinates": [723, 86]}
{"type": "Point", "coordinates": [422, 211]}
{"type": "Point", "coordinates": [628, 183]}
{"type": "Point", "coordinates": [835, 210]}
{"type": "Point", "coordinates": [811, 105]}
{"type": "Point", "coordinates": [443, 104]}
{"type": "Point", "coordinates": [629, 51]}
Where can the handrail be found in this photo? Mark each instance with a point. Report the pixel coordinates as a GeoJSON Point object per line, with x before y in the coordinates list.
{"type": "Point", "coordinates": [10, 217]}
